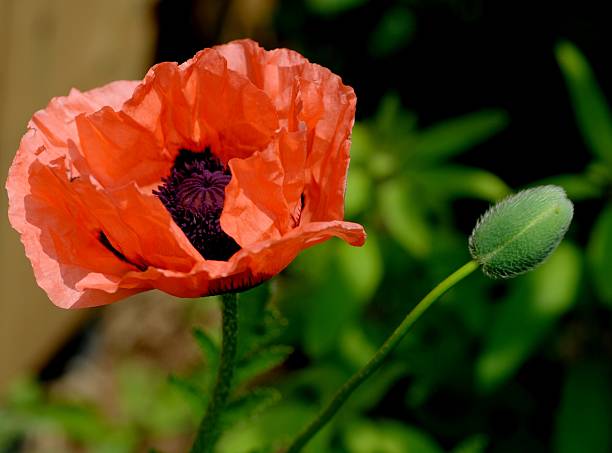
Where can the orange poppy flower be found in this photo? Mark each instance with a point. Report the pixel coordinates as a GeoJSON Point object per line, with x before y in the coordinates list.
{"type": "Point", "coordinates": [203, 178]}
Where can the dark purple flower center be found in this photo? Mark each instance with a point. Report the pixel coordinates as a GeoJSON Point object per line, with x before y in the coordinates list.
{"type": "Point", "coordinates": [194, 194]}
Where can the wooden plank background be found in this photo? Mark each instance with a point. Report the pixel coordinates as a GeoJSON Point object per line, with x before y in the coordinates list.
{"type": "Point", "coordinates": [47, 47]}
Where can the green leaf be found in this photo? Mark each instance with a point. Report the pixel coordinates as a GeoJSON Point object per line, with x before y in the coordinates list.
{"type": "Point", "coordinates": [25, 392]}
{"type": "Point", "coordinates": [367, 397]}
{"type": "Point", "coordinates": [332, 7]}
{"type": "Point", "coordinates": [590, 106]}
{"type": "Point", "coordinates": [31, 411]}
{"type": "Point", "coordinates": [260, 362]}
{"type": "Point", "coordinates": [402, 215]}
{"type": "Point", "coordinates": [272, 429]}
{"type": "Point", "coordinates": [148, 400]}
{"type": "Point", "coordinates": [245, 438]}
{"type": "Point", "coordinates": [474, 444]}
{"type": "Point", "coordinates": [382, 166]}
{"type": "Point", "coordinates": [78, 423]}
{"type": "Point", "coordinates": [393, 31]}
{"type": "Point", "coordinates": [9, 429]}
{"type": "Point", "coordinates": [585, 416]}
{"type": "Point", "coordinates": [274, 325]}
{"type": "Point", "coordinates": [535, 304]}
{"type": "Point", "coordinates": [327, 304]}
{"type": "Point", "coordinates": [363, 144]}
{"type": "Point", "coordinates": [599, 254]}
{"type": "Point", "coordinates": [452, 137]}
{"type": "Point", "coordinates": [455, 181]}
{"type": "Point", "coordinates": [194, 392]}
{"type": "Point", "coordinates": [259, 322]}
{"type": "Point", "coordinates": [387, 437]}
{"type": "Point", "coordinates": [362, 267]}
{"type": "Point", "coordinates": [209, 348]}
{"type": "Point", "coordinates": [250, 404]}
{"type": "Point", "coordinates": [355, 347]}
{"type": "Point", "coordinates": [392, 123]}
{"type": "Point", "coordinates": [358, 192]}
{"type": "Point", "coordinates": [578, 187]}
{"type": "Point", "coordinates": [115, 442]}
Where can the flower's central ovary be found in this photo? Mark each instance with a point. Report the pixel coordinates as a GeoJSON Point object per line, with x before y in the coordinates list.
{"type": "Point", "coordinates": [194, 194]}
{"type": "Point", "coordinates": [203, 192]}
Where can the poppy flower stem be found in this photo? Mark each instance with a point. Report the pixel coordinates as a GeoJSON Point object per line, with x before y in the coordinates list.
{"type": "Point", "coordinates": [208, 431]}
{"type": "Point", "coordinates": [379, 357]}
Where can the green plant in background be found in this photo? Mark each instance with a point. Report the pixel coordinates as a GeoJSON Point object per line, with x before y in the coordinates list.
{"type": "Point", "coordinates": [513, 237]}
{"type": "Point", "coordinates": [585, 413]}
{"type": "Point", "coordinates": [393, 161]}
{"type": "Point", "coordinates": [341, 305]}
{"type": "Point", "coordinates": [535, 305]}
{"type": "Point", "coordinates": [402, 176]}
{"type": "Point", "coordinates": [595, 122]}
{"type": "Point", "coordinates": [392, 33]}
{"type": "Point", "coordinates": [153, 406]}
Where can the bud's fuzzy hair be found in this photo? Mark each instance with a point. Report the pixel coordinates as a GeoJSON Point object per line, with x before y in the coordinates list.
{"type": "Point", "coordinates": [520, 232]}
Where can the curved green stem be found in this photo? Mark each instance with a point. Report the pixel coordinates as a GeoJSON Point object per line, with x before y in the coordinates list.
{"type": "Point", "coordinates": [376, 361]}
{"type": "Point", "coordinates": [208, 431]}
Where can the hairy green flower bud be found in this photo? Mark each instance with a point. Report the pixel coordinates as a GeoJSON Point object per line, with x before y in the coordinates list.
{"type": "Point", "coordinates": [521, 231]}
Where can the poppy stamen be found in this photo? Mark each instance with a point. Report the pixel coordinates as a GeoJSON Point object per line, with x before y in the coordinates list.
{"type": "Point", "coordinates": [194, 194]}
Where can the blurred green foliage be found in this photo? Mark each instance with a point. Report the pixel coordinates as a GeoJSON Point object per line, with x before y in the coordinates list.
{"type": "Point", "coordinates": [457, 383]}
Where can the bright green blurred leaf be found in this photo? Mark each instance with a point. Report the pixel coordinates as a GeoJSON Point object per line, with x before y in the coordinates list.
{"type": "Point", "coordinates": [258, 322]}
{"type": "Point", "coordinates": [362, 145]}
{"type": "Point", "coordinates": [600, 255]}
{"type": "Point", "coordinates": [328, 315]}
{"type": "Point", "coordinates": [474, 444]}
{"type": "Point", "coordinates": [584, 420]}
{"type": "Point", "coordinates": [599, 173]}
{"type": "Point", "coordinates": [393, 31]}
{"type": "Point", "coordinates": [362, 267]}
{"type": "Point", "coordinates": [389, 110]}
{"type": "Point", "coordinates": [331, 7]}
{"type": "Point", "coordinates": [25, 391]}
{"type": "Point", "coordinates": [271, 429]}
{"type": "Point", "coordinates": [79, 423]}
{"type": "Point", "coordinates": [387, 437]}
{"type": "Point", "coordinates": [382, 165]}
{"type": "Point", "coordinates": [274, 325]}
{"type": "Point", "coordinates": [358, 192]}
{"type": "Point", "coordinates": [391, 122]}
{"type": "Point", "coordinates": [260, 362]}
{"type": "Point", "coordinates": [31, 412]}
{"type": "Point", "coordinates": [148, 400]}
{"type": "Point", "coordinates": [402, 215]}
{"type": "Point", "coordinates": [192, 391]}
{"type": "Point", "coordinates": [451, 137]}
{"type": "Point", "coordinates": [454, 181]}
{"type": "Point", "coordinates": [578, 187]}
{"type": "Point", "coordinates": [9, 430]}
{"type": "Point", "coordinates": [115, 442]}
{"type": "Point", "coordinates": [209, 348]}
{"type": "Point", "coordinates": [355, 347]}
{"type": "Point", "coordinates": [328, 302]}
{"type": "Point", "coordinates": [536, 302]}
{"type": "Point", "coordinates": [250, 404]}
{"type": "Point", "coordinates": [244, 438]}
{"type": "Point", "coordinates": [590, 106]}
